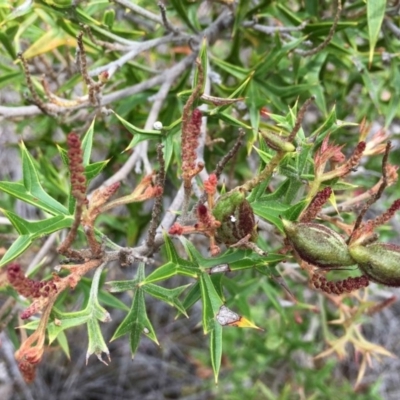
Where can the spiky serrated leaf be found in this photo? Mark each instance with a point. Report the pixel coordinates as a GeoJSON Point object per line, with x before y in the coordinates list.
{"type": "Point", "coordinates": [211, 302]}
{"type": "Point", "coordinates": [136, 321]}
{"type": "Point", "coordinates": [31, 231]}
{"type": "Point", "coordinates": [169, 296]}
{"type": "Point", "coordinates": [121, 286]}
{"type": "Point", "coordinates": [31, 190]}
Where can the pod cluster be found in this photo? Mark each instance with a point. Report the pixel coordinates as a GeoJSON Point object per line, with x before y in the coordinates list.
{"type": "Point", "coordinates": [325, 248]}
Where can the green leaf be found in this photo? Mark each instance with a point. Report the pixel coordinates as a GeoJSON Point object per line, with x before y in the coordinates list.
{"type": "Point", "coordinates": [7, 43]}
{"type": "Point", "coordinates": [192, 296]}
{"type": "Point", "coordinates": [111, 301]}
{"type": "Point", "coordinates": [203, 51]}
{"type": "Point", "coordinates": [375, 14]}
{"type": "Point", "coordinates": [169, 296]}
{"type": "Point", "coordinates": [138, 134]}
{"type": "Point", "coordinates": [182, 8]}
{"type": "Point", "coordinates": [63, 342]}
{"type": "Point", "coordinates": [87, 143]}
{"type": "Point", "coordinates": [92, 170]}
{"type": "Point", "coordinates": [96, 344]}
{"type": "Point", "coordinates": [30, 231]}
{"type": "Point", "coordinates": [174, 266]}
{"type": "Point", "coordinates": [16, 249]}
{"type": "Point", "coordinates": [211, 302]}
{"type": "Point", "coordinates": [66, 321]}
{"type": "Point", "coordinates": [121, 286]}
{"type": "Point", "coordinates": [31, 190]}
{"type": "Point", "coordinates": [216, 349]}
{"type": "Point", "coordinates": [136, 322]}
{"type": "Point", "coordinates": [232, 120]}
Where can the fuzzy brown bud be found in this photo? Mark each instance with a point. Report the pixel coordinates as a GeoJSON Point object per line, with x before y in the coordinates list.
{"type": "Point", "coordinates": [379, 261]}
{"type": "Point", "coordinates": [318, 244]}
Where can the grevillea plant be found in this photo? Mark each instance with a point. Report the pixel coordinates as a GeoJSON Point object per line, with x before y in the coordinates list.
{"type": "Point", "coordinates": [203, 231]}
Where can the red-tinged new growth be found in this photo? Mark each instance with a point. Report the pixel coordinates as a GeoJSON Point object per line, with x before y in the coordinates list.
{"type": "Point", "coordinates": [31, 351]}
{"type": "Point", "coordinates": [210, 184]}
{"type": "Point", "coordinates": [316, 204]}
{"type": "Point", "coordinates": [366, 230]}
{"type": "Point", "coordinates": [39, 291]}
{"type": "Point", "coordinates": [210, 187]}
{"type": "Point", "coordinates": [29, 355]}
{"type": "Point", "coordinates": [191, 130]}
{"type": "Point", "coordinates": [333, 153]}
{"type": "Point", "coordinates": [78, 179]}
{"type": "Point", "coordinates": [206, 224]}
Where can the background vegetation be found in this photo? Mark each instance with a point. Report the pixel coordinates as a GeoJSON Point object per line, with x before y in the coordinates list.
{"type": "Point", "coordinates": [269, 57]}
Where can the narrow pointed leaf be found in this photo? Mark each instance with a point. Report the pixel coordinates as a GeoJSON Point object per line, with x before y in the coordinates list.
{"type": "Point", "coordinates": [375, 14]}
{"type": "Point", "coordinates": [216, 350]}
{"type": "Point", "coordinates": [87, 143]}
{"type": "Point", "coordinates": [211, 302]}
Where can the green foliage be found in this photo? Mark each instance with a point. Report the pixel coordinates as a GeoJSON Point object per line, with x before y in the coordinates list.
{"type": "Point", "coordinates": [141, 68]}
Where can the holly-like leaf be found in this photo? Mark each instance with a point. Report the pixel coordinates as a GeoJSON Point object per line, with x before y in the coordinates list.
{"type": "Point", "coordinates": [169, 296]}
{"type": "Point", "coordinates": [136, 322]}
{"type": "Point", "coordinates": [31, 191]}
{"type": "Point", "coordinates": [175, 265]}
{"type": "Point", "coordinates": [30, 231]}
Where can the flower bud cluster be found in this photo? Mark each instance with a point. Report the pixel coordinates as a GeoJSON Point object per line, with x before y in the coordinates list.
{"type": "Point", "coordinates": [190, 142]}
{"type": "Point", "coordinates": [28, 287]}
{"type": "Point", "coordinates": [339, 287]}
{"type": "Point", "coordinates": [78, 179]}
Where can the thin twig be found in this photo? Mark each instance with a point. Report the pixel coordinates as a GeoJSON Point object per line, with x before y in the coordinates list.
{"type": "Point", "coordinates": [139, 10]}
{"type": "Point", "coordinates": [299, 119]}
{"type": "Point", "coordinates": [270, 30]}
{"type": "Point", "coordinates": [177, 69]}
{"type": "Point", "coordinates": [231, 153]}
{"type": "Point", "coordinates": [305, 53]}
{"type": "Point", "coordinates": [157, 207]}
{"type": "Point", "coordinates": [379, 192]}
{"type": "Point", "coordinates": [167, 25]}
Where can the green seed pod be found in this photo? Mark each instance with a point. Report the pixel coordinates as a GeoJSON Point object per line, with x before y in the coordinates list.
{"type": "Point", "coordinates": [318, 244]}
{"type": "Point", "coordinates": [109, 18]}
{"type": "Point", "coordinates": [236, 217]}
{"type": "Point", "coordinates": [379, 261]}
{"type": "Point", "coordinates": [277, 142]}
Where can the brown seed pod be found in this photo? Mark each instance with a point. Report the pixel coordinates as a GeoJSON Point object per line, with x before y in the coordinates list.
{"type": "Point", "coordinates": [318, 244]}
{"type": "Point", "coordinates": [236, 217]}
{"type": "Point", "coordinates": [379, 261]}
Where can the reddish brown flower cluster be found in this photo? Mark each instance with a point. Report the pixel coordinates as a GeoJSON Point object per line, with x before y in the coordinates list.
{"type": "Point", "coordinates": [28, 287]}
{"type": "Point", "coordinates": [190, 142]}
{"type": "Point", "coordinates": [210, 184]}
{"type": "Point", "coordinates": [206, 220]}
{"type": "Point", "coordinates": [176, 229]}
{"type": "Point", "coordinates": [354, 160]}
{"type": "Point", "coordinates": [78, 179]}
{"type": "Point", "coordinates": [316, 205]}
{"type": "Point", "coordinates": [339, 287]}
